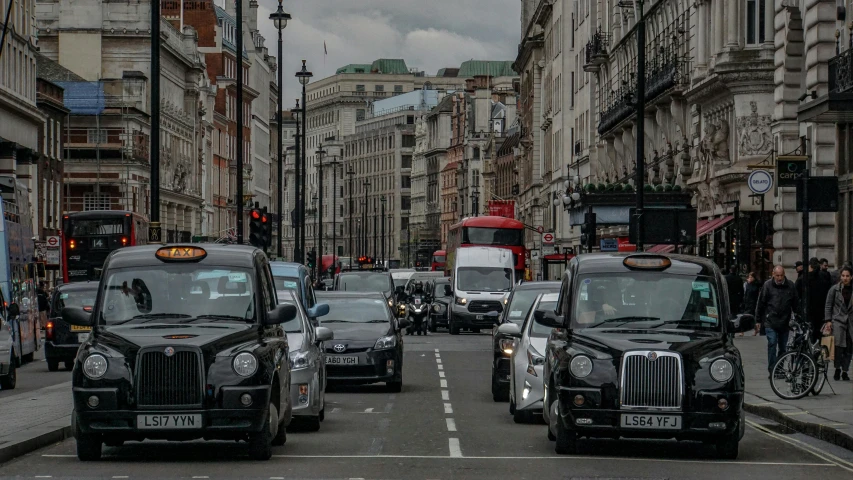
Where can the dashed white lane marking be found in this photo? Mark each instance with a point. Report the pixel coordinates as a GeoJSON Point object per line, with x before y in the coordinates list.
{"type": "Point", "coordinates": [120, 476]}
{"type": "Point", "coordinates": [43, 476]}
{"type": "Point", "coordinates": [451, 424]}
{"type": "Point", "coordinates": [441, 367]}
{"type": "Point", "coordinates": [437, 355]}
{"type": "Point", "coordinates": [436, 350]}
{"type": "Point", "coordinates": [368, 410]}
{"type": "Point", "coordinates": [445, 395]}
{"type": "Point", "coordinates": [443, 383]}
{"type": "Point", "coordinates": [441, 374]}
{"type": "Point", "coordinates": [455, 450]}
{"type": "Point", "coordinates": [448, 408]}
{"type": "Point", "coordinates": [276, 478]}
{"type": "Point", "coordinates": [201, 476]}
{"type": "Point", "coordinates": [336, 410]}
{"type": "Point", "coordinates": [437, 360]}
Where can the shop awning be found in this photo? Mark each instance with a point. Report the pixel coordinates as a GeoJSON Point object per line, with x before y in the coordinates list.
{"type": "Point", "coordinates": [711, 225]}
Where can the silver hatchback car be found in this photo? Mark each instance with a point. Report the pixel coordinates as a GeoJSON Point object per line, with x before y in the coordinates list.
{"type": "Point", "coordinates": [526, 386]}
{"type": "Point", "coordinates": [307, 365]}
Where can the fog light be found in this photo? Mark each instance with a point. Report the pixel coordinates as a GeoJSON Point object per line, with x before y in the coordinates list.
{"type": "Point", "coordinates": [579, 400]}
{"type": "Point", "coordinates": [525, 393]}
{"type": "Point", "coordinates": [303, 389]}
{"type": "Point", "coordinates": [717, 425]}
{"type": "Point", "coordinates": [94, 401]}
{"type": "Point", "coordinates": [583, 421]}
{"type": "Point", "coordinates": [723, 404]}
{"type": "Point", "coordinates": [389, 364]}
{"type": "Point", "coordinates": [303, 399]}
{"type": "Point", "coordinates": [246, 399]}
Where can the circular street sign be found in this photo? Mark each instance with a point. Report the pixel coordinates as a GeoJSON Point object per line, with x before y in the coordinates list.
{"type": "Point", "coordinates": [52, 241]}
{"type": "Point", "coordinates": [760, 182]}
{"type": "Point", "coordinates": [540, 229]}
{"type": "Point", "coordinates": [548, 238]}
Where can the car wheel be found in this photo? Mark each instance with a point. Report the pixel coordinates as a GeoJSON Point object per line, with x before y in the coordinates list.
{"type": "Point", "coordinates": [311, 424]}
{"type": "Point", "coordinates": [395, 387]}
{"type": "Point", "coordinates": [567, 440]}
{"type": "Point", "coordinates": [260, 444]}
{"type": "Point", "coordinates": [89, 445]}
{"type": "Point", "coordinates": [11, 379]}
{"type": "Point", "coordinates": [498, 394]}
{"type": "Point", "coordinates": [511, 406]}
{"type": "Point", "coordinates": [322, 415]}
{"type": "Point", "coordinates": [551, 435]}
{"type": "Point", "coordinates": [454, 329]}
{"type": "Point", "coordinates": [727, 447]}
{"type": "Point", "coordinates": [281, 435]}
{"type": "Point", "coordinates": [432, 327]}
{"type": "Point", "coordinates": [27, 358]}
{"type": "Point", "coordinates": [52, 365]}
{"type": "Point", "coordinates": [521, 416]}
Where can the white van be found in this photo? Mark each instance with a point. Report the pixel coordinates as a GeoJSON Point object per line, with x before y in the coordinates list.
{"type": "Point", "coordinates": [481, 281]}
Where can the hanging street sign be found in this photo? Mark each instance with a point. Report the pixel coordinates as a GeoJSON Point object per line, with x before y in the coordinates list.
{"type": "Point", "coordinates": [789, 169]}
{"type": "Point", "coordinates": [760, 182]}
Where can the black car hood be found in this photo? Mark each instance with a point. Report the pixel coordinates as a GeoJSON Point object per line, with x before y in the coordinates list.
{"type": "Point", "coordinates": [689, 343]}
{"type": "Point", "coordinates": [359, 331]}
{"type": "Point", "coordinates": [196, 335]}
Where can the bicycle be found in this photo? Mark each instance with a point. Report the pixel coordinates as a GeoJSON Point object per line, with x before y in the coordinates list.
{"type": "Point", "coordinates": [802, 369]}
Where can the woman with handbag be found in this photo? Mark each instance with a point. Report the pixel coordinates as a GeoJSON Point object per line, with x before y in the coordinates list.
{"type": "Point", "coordinates": [839, 313]}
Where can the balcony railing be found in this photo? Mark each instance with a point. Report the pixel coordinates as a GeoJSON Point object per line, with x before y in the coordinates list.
{"type": "Point", "coordinates": [841, 72]}
{"type": "Point", "coordinates": [596, 51]}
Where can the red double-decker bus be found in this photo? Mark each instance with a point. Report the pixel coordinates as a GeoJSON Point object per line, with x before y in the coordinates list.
{"type": "Point", "coordinates": [89, 237]}
{"type": "Point", "coordinates": [438, 260]}
{"type": "Point", "coordinates": [489, 231]}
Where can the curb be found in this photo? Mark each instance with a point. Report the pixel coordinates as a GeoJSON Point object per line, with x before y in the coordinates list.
{"type": "Point", "coordinates": [816, 430]}
{"type": "Point", "coordinates": [43, 438]}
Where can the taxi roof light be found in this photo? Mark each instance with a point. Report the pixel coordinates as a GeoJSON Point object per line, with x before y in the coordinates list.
{"type": "Point", "coordinates": [181, 254]}
{"type": "Point", "coordinates": [647, 262]}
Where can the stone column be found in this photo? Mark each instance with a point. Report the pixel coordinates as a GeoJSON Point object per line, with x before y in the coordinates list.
{"type": "Point", "coordinates": [732, 12]}
{"type": "Point", "coordinates": [702, 42]}
{"type": "Point", "coordinates": [719, 13]}
{"type": "Point", "coordinates": [769, 23]}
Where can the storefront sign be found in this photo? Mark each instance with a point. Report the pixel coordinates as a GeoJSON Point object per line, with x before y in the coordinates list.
{"type": "Point", "coordinates": [624, 245]}
{"type": "Point", "coordinates": [760, 182]}
{"type": "Point", "coordinates": [502, 208]}
{"type": "Point", "coordinates": [789, 169]}
{"type": "Point", "coordinates": [609, 244]}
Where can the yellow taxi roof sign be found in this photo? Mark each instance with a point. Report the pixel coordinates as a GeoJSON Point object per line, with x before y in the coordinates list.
{"type": "Point", "coordinates": [181, 254]}
{"type": "Point", "coordinates": [650, 262]}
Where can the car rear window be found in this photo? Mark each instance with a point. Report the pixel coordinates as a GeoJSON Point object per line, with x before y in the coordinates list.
{"type": "Point", "coordinates": [74, 298]}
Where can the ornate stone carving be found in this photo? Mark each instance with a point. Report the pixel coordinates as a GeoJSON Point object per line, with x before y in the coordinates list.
{"type": "Point", "coordinates": [754, 133]}
{"type": "Point", "coordinates": [720, 144]}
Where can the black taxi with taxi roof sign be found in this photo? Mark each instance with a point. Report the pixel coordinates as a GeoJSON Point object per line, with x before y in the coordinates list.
{"type": "Point", "coordinates": [641, 348]}
{"type": "Point", "coordinates": [186, 343]}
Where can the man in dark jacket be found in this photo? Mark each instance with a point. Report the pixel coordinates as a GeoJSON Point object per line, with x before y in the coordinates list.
{"type": "Point", "coordinates": [819, 287]}
{"type": "Point", "coordinates": [735, 287]}
{"type": "Point", "coordinates": [824, 271]}
{"type": "Point", "coordinates": [750, 294]}
{"type": "Point", "coordinates": [777, 301]}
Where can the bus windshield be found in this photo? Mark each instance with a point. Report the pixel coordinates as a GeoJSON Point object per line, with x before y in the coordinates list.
{"type": "Point", "coordinates": [493, 236]}
{"type": "Point", "coordinates": [96, 226]}
{"type": "Point", "coordinates": [438, 258]}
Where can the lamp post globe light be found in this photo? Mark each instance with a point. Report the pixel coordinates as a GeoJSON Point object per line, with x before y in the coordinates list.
{"type": "Point", "coordinates": [280, 18]}
{"type": "Point", "coordinates": [304, 76]}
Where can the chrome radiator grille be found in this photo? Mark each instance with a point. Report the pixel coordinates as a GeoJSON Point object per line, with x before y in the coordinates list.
{"type": "Point", "coordinates": [651, 379]}
{"type": "Point", "coordinates": [169, 381]}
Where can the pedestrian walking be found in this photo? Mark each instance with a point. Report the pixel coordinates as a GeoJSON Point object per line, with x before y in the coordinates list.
{"type": "Point", "coordinates": [750, 294]}
{"type": "Point", "coordinates": [735, 286]}
{"type": "Point", "coordinates": [798, 266]}
{"type": "Point", "coordinates": [824, 270]}
{"type": "Point", "coordinates": [819, 286]}
{"type": "Point", "coordinates": [777, 302]}
{"type": "Point", "coordinates": [839, 312]}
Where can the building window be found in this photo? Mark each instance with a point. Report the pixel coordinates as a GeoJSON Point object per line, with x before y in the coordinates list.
{"type": "Point", "coordinates": [407, 182]}
{"type": "Point", "coordinates": [398, 88]}
{"type": "Point", "coordinates": [96, 136]}
{"type": "Point", "coordinates": [359, 88]}
{"type": "Point", "coordinates": [380, 88]}
{"type": "Point", "coordinates": [755, 21]}
{"type": "Point", "coordinates": [359, 114]}
{"type": "Point", "coordinates": [96, 201]}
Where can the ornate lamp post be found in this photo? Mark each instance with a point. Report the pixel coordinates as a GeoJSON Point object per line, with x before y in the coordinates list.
{"type": "Point", "coordinates": [364, 217]}
{"type": "Point", "coordinates": [382, 200]}
{"type": "Point", "coordinates": [280, 18]}
{"type": "Point", "coordinates": [304, 77]}
{"type": "Point", "coordinates": [316, 231]}
{"type": "Point", "coordinates": [299, 202]}
{"type": "Point", "coordinates": [351, 174]}
{"type": "Point", "coordinates": [320, 153]}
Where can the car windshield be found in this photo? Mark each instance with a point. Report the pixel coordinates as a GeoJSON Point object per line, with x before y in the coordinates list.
{"type": "Point", "coordinates": [374, 282]}
{"type": "Point", "coordinates": [177, 293]}
{"type": "Point", "coordinates": [355, 310]}
{"type": "Point", "coordinates": [77, 298]}
{"type": "Point", "coordinates": [484, 279]}
{"type": "Point", "coordinates": [400, 282]}
{"type": "Point", "coordinates": [439, 290]}
{"type": "Point", "coordinates": [521, 302]}
{"type": "Point", "coordinates": [286, 283]}
{"type": "Point", "coordinates": [537, 329]}
{"type": "Point", "coordinates": [295, 324]}
{"type": "Point", "coordinates": [646, 300]}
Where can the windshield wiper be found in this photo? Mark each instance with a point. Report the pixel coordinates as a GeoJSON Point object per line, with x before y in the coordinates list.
{"type": "Point", "coordinates": [624, 320]}
{"type": "Point", "coordinates": [335, 321]}
{"type": "Point", "coordinates": [686, 322]}
{"type": "Point", "coordinates": [218, 317]}
{"type": "Point", "coordinates": [153, 316]}
{"type": "Point", "coordinates": [376, 321]}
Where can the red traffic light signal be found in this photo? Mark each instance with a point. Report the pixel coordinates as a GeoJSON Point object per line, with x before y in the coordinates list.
{"type": "Point", "coordinates": [256, 214]}
{"type": "Point", "coordinates": [264, 218]}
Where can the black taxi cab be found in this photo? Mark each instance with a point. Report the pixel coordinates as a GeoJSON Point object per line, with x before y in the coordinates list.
{"type": "Point", "coordinates": [186, 343]}
{"type": "Point", "coordinates": [641, 348]}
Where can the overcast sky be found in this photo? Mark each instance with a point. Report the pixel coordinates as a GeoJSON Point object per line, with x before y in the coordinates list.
{"type": "Point", "coordinates": [428, 34]}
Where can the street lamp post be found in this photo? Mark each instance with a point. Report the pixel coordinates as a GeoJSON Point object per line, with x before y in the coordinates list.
{"type": "Point", "coordinates": [155, 234]}
{"type": "Point", "coordinates": [299, 203]}
{"type": "Point", "coordinates": [280, 18]}
{"type": "Point", "coordinates": [316, 230]}
{"type": "Point", "coordinates": [382, 201]}
{"type": "Point", "coordinates": [304, 77]}
{"type": "Point", "coordinates": [364, 217]}
{"type": "Point", "coordinates": [350, 173]}
{"type": "Point", "coordinates": [334, 196]}
{"type": "Point", "coordinates": [641, 112]}
{"type": "Point", "coordinates": [320, 152]}
{"type": "Point", "coordinates": [475, 201]}
{"type": "Point", "coordinates": [240, 107]}
{"type": "Point", "coordinates": [408, 244]}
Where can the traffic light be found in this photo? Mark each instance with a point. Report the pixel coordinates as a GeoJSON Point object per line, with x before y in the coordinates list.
{"type": "Point", "coordinates": [588, 231]}
{"type": "Point", "coordinates": [312, 258]}
{"type": "Point", "coordinates": [255, 228]}
{"type": "Point", "coordinates": [266, 229]}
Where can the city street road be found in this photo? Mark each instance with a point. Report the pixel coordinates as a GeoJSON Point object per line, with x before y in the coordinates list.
{"type": "Point", "coordinates": [34, 375]}
{"type": "Point", "coordinates": [443, 425]}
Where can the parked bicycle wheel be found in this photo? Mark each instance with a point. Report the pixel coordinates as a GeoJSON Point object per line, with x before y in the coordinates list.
{"type": "Point", "coordinates": [822, 362]}
{"type": "Point", "coordinates": [794, 375]}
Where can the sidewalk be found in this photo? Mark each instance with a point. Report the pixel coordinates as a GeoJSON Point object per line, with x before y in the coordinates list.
{"type": "Point", "coordinates": [34, 419]}
{"type": "Point", "coordinates": [826, 416]}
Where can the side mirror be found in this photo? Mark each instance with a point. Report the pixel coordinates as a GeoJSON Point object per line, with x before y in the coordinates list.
{"type": "Point", "coordinates": [510, 330]}
{"type": "Point", "coordinates": [14, 310]}
{"type": "Point", "coordinates": [280, 314]}
{"type": "Point", "coordinates": [447, 290]}
{"type": "Point", "coordinates": [742, 323]}
{"type": "Point", "coordinates": [76, 316]}
{"type": "Point", "coordinates": [548, 319]}
{"type": "Point", "coordinates": [324, 334]}
{"type": "Point", "coordinates": [404, 323]}
{"type": "Point", "coordinates": [318, 310]}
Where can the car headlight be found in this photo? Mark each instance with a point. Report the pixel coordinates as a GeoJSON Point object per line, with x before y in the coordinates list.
{"type": "Point", "coordinates": [506, 345]}
{"type": "Point", "coordinates": [506, 299]}
{"type": "Point", "coordinates": [722, 370]}
{"type": "Point", "coordinates": [245, 364]}
{"type": "Point", "coordinates": [436, 307]}
{"type": "Point", "coordinates": [390, 303]}
{"type": "Point", "coordinates": [534, 359]}
{"type": "Point", "coordinates": [385, 343]}
{"type": "Point", "coordinates": [461, 300]}
{"type": "Point", "coordinates": [299, 360]}
{"type": "Point", "coordinates": [95, 366]}
{"type": "Point", "coordinates": [581, 366]}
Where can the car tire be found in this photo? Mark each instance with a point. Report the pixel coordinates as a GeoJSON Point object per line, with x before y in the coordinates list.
{"type": "Point", "coordinates": [281, 436]}
{"type": "Point", "coordinates": [260, 444]}
{"type": "Point", "coordinates": [311, 424]}
{"type": "Point", "coordinates": [727, 447]}
{"type": "Point", "coordinates": [511, 406]}
{"type": "Point", "coordinates": [322, 415]}
{"type": "Point", "coordinates": [454, 329]}
{"type": "Point", "coordinates": [395, 387]}
{"type": "Point", "coordinates": [498, 394]}
{"type": "Point", "coordinates": [432, 327]}
{"type": "Point", "coordinates": [28, 357]}
{"type": "Point", "coordinates": [9, 381]}
{"type": "Point", "coordinates": [567, 440]}
{"type": "Point", "coordinates": [52, 365]}
{"type": "Point", "coordinates": [69, 365]}
{"type": "Point", "coordinates": [89, 445]}
{"type": "Point", "coordinates": [551, 435]}
{"type": "Point", "coordinates": [521, 416]}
